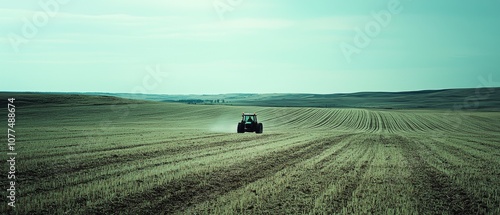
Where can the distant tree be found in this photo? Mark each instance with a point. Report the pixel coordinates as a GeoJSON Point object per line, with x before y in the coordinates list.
{"type": "Point", "coordinates": [191, 101]}
{"type": "Point", "coordinates": [223, 101]}
{"type": "Point", "coordinates": [218, 100]}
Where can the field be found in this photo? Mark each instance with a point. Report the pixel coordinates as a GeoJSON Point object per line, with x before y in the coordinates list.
{"type": "Point", "coordinates": [104, 155]}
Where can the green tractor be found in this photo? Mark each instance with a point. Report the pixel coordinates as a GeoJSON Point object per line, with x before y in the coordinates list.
{"type": "Point", "coordinates": [249, 123]}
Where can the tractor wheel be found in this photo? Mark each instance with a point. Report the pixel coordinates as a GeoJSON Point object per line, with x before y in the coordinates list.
{"type": "Point", "coordinates": [260, 128]}
{"type": "Point", "coordinates": [241, 128]}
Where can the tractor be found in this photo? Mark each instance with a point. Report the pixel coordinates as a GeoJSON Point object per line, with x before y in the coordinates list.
{"type": "Point", "coordinates": [249, 123]}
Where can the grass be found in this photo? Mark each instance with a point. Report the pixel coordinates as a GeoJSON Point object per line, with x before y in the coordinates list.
{"type": "Point", "coordinates": [136, 157]}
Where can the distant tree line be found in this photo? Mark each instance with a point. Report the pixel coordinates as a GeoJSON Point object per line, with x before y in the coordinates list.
{"type": "Point", "coordinates": [191, 101]}
{"type": "Point", "coordinates": [199, 101]}
{"type": "Point", "coordinates": [217, 101]}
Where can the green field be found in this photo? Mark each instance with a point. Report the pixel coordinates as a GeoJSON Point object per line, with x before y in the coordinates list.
{"type": "Point", "coordinates": [104, 155]}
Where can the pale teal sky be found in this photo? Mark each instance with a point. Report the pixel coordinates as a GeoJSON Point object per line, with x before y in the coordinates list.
{"type": "Point", "coordinates": [278, 46]}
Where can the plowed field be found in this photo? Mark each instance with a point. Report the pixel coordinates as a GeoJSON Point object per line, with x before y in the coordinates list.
{"type": "Point", "coordinates": [156, 158]}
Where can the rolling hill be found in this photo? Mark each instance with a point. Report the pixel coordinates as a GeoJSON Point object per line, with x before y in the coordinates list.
{"type": "Point", "coordinates": [477, 98]}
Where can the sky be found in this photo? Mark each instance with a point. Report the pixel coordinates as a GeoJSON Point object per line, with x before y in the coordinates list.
{"type": "Point", "coordinates": [248, 46]}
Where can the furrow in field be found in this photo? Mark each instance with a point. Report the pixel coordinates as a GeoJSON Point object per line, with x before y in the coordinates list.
{"type": "Point", "coordinates": [436, 192]}
{"type": "Point", "coordinates": [309, 119]}
{"type": "Point", "coordinates": [362, 121]}
{"type": "Point", "coordinates": [346, 180]}
{"type": "Point", "coordinates": [304, 119]}
{"type": "Point", "coordinates": [317, 117]}
{"type": "Point", "coordinates": [375, 121]}
{"type": "Point", "coordinates": [289, 118]}
{"type": "Point", "coordinates": [133, 183]}
{"type": "Point", "coordinates": [393, 124]}
{"type": "Point", "coordinates": [271, 114]}
{"type": "Point", "coordinates": [343, 118]}
{"type": "Point", "coordinates": [323, 122]}
{"type": "Point", "coordinates": [48, 135]}
{"type": "Point", "coordinates": [431, 122]}
{"type": "Point", "coordinates": [417, 124]}
{"type": "Point", "coordinates": [113, 147]}
{"type": "Point", "coordinates": [482, 142]}
{"type": "Point", "coordinates": [384, 122]}
{"type": "Point", "coordinates": [439, 121]}
{"type": "Point", "coordinates": [474, 169]}
{"type": "Point", "coordinates": [338, 117]}
{"type": "Point", "coordinates": [465, 150]}
{"type": "Point", "coordinates": [409, 123]}
{"type": "Point", "coordinates": [84, 172]}
{"type": "Point", "coordinates": [365, 120]}
{"type": "Point", "coordinates": [351, 122]}
{"type": "Point", "coordinates": [40, 167]}
{"type": "Point", "coordinates": [286, 191]}
{"type": "Point", "coordinates": [397, 124]}
{"type": "Point", "coordinates": [179, 194]}
{"type": "Point", "coordinates": [413, 124]}
{"type": "Point", "coordinates": [327, 121]}
{"type": "Point", "coordinates": [383, 188]}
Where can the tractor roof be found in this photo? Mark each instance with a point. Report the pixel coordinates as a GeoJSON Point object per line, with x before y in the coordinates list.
{"type": "Point", "coordinates": [249, 114]}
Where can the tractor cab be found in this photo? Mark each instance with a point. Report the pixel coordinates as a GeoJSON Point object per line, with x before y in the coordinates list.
{"type": "Point", "coordinates": [249, 123]}
{"type": "Point", "coordinates": [249, 118]}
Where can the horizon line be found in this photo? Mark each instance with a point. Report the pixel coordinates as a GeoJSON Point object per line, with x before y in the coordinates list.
{"type": "Point", "coordinates": [211, 94]}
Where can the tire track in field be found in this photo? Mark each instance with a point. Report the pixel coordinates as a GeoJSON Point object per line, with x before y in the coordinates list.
{"type": "Point", "coordinates": [189, 191]}
{"type": "Point", "coordinates": [307, 180]}
{"type": "Point", "coordinates": [131, 146]}
{"type": "Point", "coordinates": [465, 154]}
{"type": "Point", "coordinates": [478, 168]}
{"type": "Point", "coordinates": [488, 147]}
{"type": "Point", "coordinates": [51, 138]}
{"type": "Point", "coordinates": [113, 158]}
{"type": "Point", "coordinates": [80, 201]}
{"type": "Point", "coordinates": [128, 146]}
{"type": "Point", "coordinates": [298, 184]}
{"type": "Point", "coordinates": [435, 191]}
{"type": "Point", "coordinates": [337, 201]}
{"type": "Point", "coordinates": [124, 159]}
